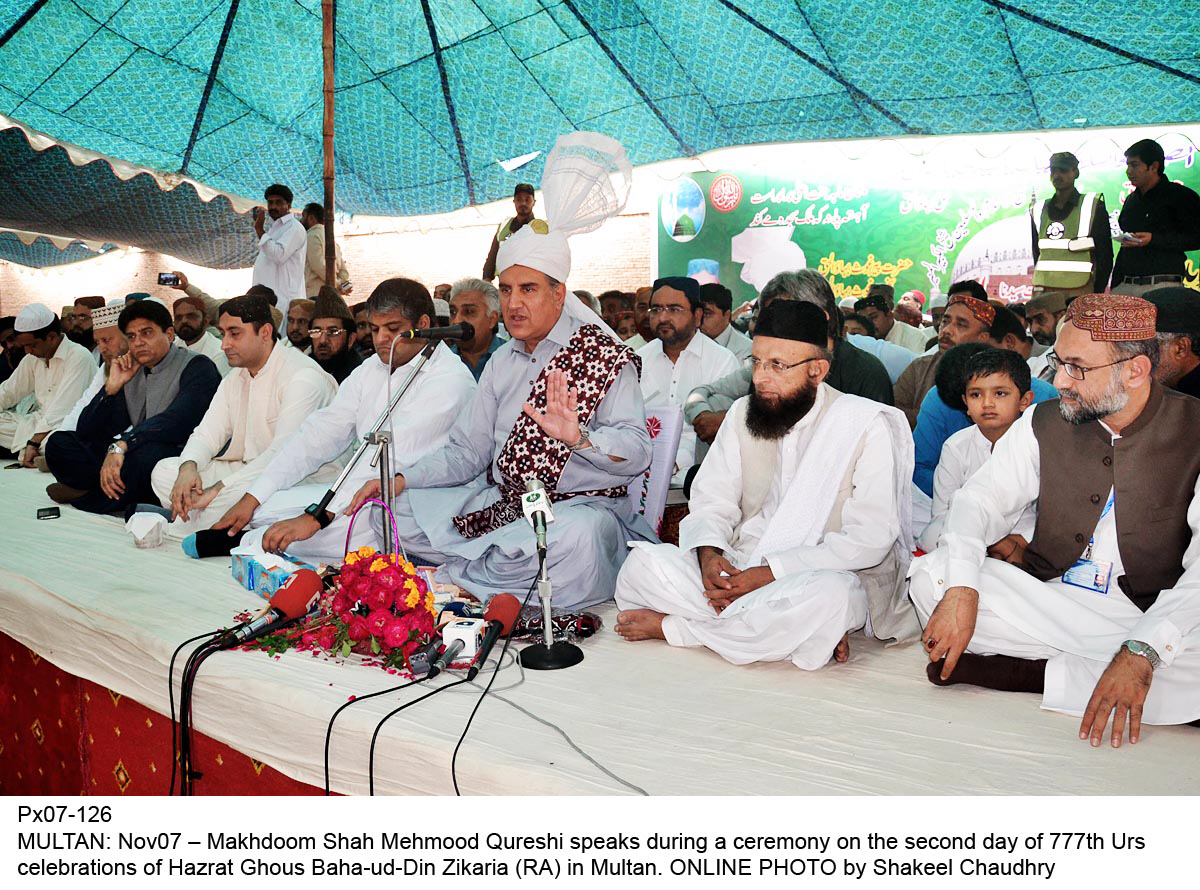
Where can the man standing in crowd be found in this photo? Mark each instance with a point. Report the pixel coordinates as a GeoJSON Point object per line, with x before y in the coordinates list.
{"type": "Point", "coordinates": [852, 371]}
{"type": "Point", "coordinates": [878, 306]}
{"type": "Point", "coordinates": [268, 395]}
{"type": "Point", "coordinates": [476, 302]}
{"type": "Point", "coordinates": [191, 326]}
{"type": "Point", "coordinates": [55, 371]}
{"type": "Point", "coordinates": [1072, 244]}
{"type": "Point", "coordinates": [282, 247]}
{"type": "Point", "coordinates": [717, 302]}
{"type": "Point", "coordinates": [1042, 314]}
{"type": "Point", "coordinates": [523, 201]}
{"type": "Point", "coordinates": [153, 398]}
{"type": "Point", "coordinates": [333, 335]}
{"type": "Point", "coordinates": [681, 358]}
{"type": "Point", "coordinates": [797, 526]}
{"type": "Point", "coordinates": [313, 220]}
{"type": "Point", "coordinates": [1161, 219]}
{"type": "Point", "coordinates": [1098, 611]}
{"type": "Point", "coordinates": [1178, 328]}
{"type": "Point", "coordinates": [968, 318]}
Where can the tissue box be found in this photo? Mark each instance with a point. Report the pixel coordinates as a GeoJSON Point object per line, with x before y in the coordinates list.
{"type": "Point", "coordinates": [263, 573]}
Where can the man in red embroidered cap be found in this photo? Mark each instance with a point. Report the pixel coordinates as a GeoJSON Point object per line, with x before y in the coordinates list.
{"type": "Point", "coordinates": [968, 319]}
{"type": "Point", "coordinates": [1100, 610]}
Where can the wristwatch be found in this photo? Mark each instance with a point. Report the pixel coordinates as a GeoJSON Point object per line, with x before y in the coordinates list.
{"type": "Point", "coordinates": [114, 447]}
{"type": "Point", "coordinates": [1137, 647]}
{"type": "Point", "coordinates": [584, 436]}
{"type": "Point", "coordinates": [322, 516]}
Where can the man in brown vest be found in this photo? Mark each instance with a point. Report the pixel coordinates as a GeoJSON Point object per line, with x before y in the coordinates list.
{"type": "Point", "coordinates": [1100, 611]}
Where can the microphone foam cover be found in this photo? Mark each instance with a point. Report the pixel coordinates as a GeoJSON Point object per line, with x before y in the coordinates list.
{"type": "Point", "coordinates": [297, 594]}
{"type": "Point", "coordinates": [503, 608]}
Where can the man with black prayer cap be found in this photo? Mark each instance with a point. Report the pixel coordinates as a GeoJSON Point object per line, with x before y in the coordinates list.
{"type": "Point", "coordinates": [1178, 330]}
{"type": "Point", "coordinates": [799, 524]}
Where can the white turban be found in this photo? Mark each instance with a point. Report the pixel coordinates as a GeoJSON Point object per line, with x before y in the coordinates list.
{"type": "Point", "coordinates": [33, 317]}
{"type": "Point", "coordinates": [586, 179]}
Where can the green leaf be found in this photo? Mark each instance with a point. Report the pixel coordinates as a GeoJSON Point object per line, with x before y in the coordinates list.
{"type": "Point", "coordinates": [346, 649]}
{"type": "Point", "coordinates": [374, 646]}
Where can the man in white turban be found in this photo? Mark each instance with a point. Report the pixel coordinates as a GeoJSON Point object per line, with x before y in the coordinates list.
{"type": "Point", "coordinates": [559, 402]}
{"type": "Point", "coordinates": [55, 372]}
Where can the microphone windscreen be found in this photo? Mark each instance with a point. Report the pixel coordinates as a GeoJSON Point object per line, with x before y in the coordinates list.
{"type": "Point", "coordinates": [504, 609]}
{"type": "Point", "coordinates": [297, 594]}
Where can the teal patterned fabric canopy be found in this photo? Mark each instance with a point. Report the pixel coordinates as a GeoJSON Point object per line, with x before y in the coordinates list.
{"type": "Point", "coordinates": [433, 94]}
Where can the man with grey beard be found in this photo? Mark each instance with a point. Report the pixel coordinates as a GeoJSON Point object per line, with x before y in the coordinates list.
{"type": "Point", "coordinates": [799, 524]}
{"type": "Point", "coordinates": [1100, 610]}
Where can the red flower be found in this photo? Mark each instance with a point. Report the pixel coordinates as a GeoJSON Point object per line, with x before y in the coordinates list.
{"type": "Point", "coordinates": [356, 628]}
{"type": "Point", "coordinates": [396, 633]}
{"type": "Point", "coordinates": [378, 598]}
{"type": "Point", "coordinates": [341, 603]}
{"type": "Point", "coordinates": [326, 637]}
{"type": "Point", "coordinates": [377, 621]}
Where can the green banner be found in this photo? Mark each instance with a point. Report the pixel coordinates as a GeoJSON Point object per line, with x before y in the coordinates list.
{"type": "Point", "coordinates": [922, 233]}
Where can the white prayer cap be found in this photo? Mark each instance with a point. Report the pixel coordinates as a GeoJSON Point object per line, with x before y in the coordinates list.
{"type": "Point", "coordinates": [847, 304]}
{"type": "Point", "coordinates": [586, 179]}
{"type": "Point", "coordinates": [441, 307]}
{"type": "Point", "coordinates": [938, 302]}
{"type": "Point", "coordinates": [106, 316]}
{"type": "Point", "coordinates": [33, 317]}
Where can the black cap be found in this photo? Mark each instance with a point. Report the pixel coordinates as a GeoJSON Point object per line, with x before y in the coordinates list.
{"type": "Point", "coordinates": [689, 287]}
{"type": "Point", "coordinates": [794, 320]}
{"type": "Point", "coordinates": [1178, 310]}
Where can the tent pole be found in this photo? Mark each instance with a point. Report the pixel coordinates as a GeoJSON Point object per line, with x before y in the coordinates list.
{"type": "Point", "coordinates": [328, 14]}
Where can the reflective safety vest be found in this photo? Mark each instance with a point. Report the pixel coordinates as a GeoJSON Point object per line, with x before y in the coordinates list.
{"type": "Point", "coordinates": [538, 225]}
{"type": "Point", "coordinates": [1065, 248]}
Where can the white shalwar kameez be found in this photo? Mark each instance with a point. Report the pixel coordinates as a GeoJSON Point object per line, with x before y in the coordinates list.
{"type": "Point", "coordinates": [419, 426]}
{"type": "Point", "coordinates": [55, 384]}
{"type": "Point", "coordinates": [852, 451]}
{"type": "Point", "coordinates": [254, 415]}
{"type": "Point", "coordinates": [1077, 630]}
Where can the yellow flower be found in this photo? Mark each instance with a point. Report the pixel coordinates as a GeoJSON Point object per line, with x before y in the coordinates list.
{"type": "Point", "coordinates": [366, 552]}
{"type": "Point", "coordinates": [351, 558]}
{"type": "Point", "coordinates": [412, 599]}
{"type": "Point", "coordinates": [378, 564]}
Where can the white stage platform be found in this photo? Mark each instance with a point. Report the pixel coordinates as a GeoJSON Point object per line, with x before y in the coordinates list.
{"type": "Point", "coordinates": [631, 718]}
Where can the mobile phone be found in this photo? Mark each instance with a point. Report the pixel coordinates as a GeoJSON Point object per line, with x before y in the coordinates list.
{"type": "Point", "coordinates": [168, 278]}
{"type": "Point", "coordinates": [48, 513]}
{"type": "Point", "coordinates": [1125, 237]}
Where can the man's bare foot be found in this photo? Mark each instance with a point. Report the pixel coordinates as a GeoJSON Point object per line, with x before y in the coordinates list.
{"type": "Point", "coordinates": [841, 652]}
{"type": "Point", "coordinates": [640, 624]}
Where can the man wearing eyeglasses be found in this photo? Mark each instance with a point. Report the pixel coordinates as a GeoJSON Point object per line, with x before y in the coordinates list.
{"type": "Point", "coordinates": [799, 527]}
{"type": "Point", "coordinates": [333, 333]}
{"type": "Point", "coordinates": [681, 358]}
{"type": "Point", "coordinates": [1100, 611]}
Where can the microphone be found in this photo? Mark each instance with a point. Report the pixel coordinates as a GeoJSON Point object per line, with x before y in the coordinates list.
{"type": "Point", "coordinates": [446, 658]}
{"type": "Point", "coordinates": [501, 613]}
{"type": "Point", "coordinates": [536, 505]}
{"type": "Point", "coordinates": [461, 331]}
{"type": "Point", "coordinates": [291, 602]}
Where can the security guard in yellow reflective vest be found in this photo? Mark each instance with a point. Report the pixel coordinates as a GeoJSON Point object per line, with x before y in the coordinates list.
{"type": "Point", "coordinates": [1072, 242]}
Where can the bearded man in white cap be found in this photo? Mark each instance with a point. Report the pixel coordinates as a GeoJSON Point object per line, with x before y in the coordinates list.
{"type": "Point", "coordinates": [55, 371]}
{"type": "Point", "coordinates": [559, 402]}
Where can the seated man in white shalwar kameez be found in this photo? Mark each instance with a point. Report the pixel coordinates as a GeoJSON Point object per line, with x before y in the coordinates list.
{"type": "Point", "coordinates": [799, 525]}
{"type": "Point", "coordinates": [275, 507]}
{"type": "Point", "coordinates": [264, 398]}
{"type": "Point", "coordinates": [1100, 610]}
{"type": "Point", "coordinates": [559, 402]}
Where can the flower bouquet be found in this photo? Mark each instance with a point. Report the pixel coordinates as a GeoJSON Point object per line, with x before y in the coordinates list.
{"type": "Point", "coordinates": [378, 606]}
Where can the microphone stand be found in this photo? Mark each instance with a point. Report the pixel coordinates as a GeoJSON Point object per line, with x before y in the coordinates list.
{"type": "Point", "coordinates": [548, 655]}
{"type": "Point", "coordinates": [381, 440]}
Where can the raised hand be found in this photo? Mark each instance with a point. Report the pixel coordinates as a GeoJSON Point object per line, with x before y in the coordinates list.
{"type": "Point", "coordinates": [560, 420]}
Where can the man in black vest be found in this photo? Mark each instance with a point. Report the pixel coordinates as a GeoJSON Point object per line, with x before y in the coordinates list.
{"type": "Point", "coordinates": [151, 401]}
{"type": "Point", "coordinates": [1100, 611]}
